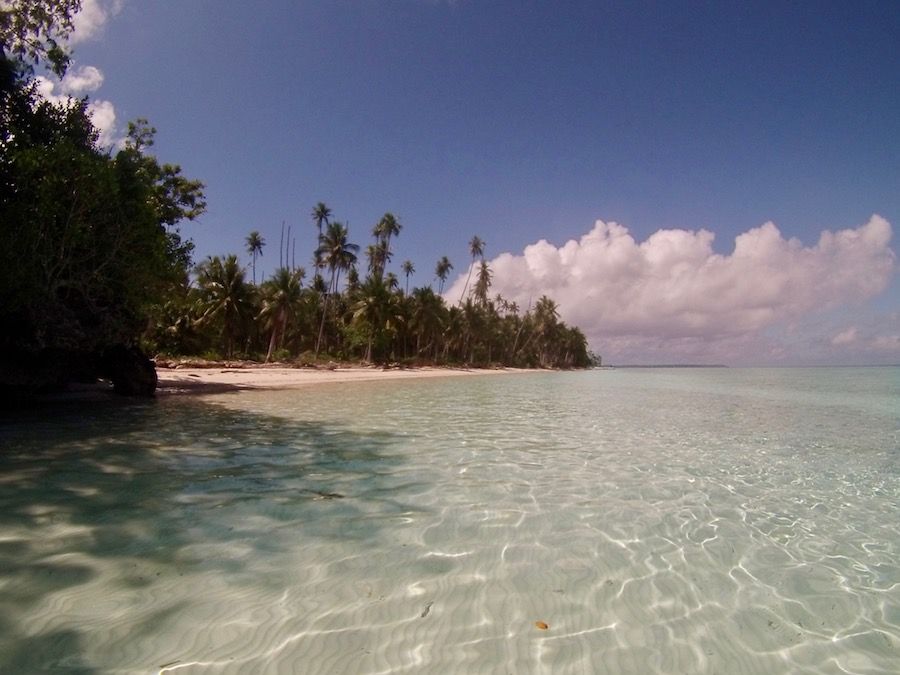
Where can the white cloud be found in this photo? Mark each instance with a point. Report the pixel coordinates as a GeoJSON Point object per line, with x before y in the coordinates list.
{"type": "Point", "coordinates": [81, 80]}
{"type": "Point", "coordinates": [886, 343]}
{"type": "Point", "coordinates": [847, 337]}
{"type": "Point", "coordinates": [102, 113]}
{"type": "Point", "coordinates": [672, 298]}
{"type": "Point", "coordinates": [94, 14]}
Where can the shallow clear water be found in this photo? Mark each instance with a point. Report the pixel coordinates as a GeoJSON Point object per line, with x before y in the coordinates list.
{"type": "Point", "coordinates": [657, 521]}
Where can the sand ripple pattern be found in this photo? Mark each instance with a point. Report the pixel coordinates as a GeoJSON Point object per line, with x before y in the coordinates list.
{"type": "Point", "coordinates": [601, 522]}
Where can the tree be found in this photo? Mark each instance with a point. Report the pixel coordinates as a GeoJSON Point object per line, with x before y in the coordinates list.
{"type": "Point", "coordinates": [376, 309]}
{"type": "Point", "coordinates": [476, 248]}
{"type": "Point", "coordinates": [282, 297]}
{"type": "Point", "coordinates": [35, 30]}
{"type": "Point", "coordinates": [255, 245]}
{"type": "Point", "coordinates": [225, 297]}
{"type": "Point", "coordinates": [92, 240]}
{"type": "Point", "coordinates": [321, 215]}
{"type": "Point", "coordinates": [337, 254]}
{"type": "Point", "coordinates": [408, 268]}
{"type": "Point", "coordinates": [442, 271]}
{"type": "Point", "coordinates": [387, 227]}
{"type": "Point", "coordinates": [379, 256]}
{"type": "Point", "coordinates": [483, 283]}
{"type": "Point", "coordinates": [428, 319]}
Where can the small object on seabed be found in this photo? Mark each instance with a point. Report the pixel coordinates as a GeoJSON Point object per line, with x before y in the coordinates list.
{"type": "Point", "coordinates": [540, 625]}
{"type": "Point", "coordinates": [427, 609]}
{"type": "Point", "coordinates": [321, 494]}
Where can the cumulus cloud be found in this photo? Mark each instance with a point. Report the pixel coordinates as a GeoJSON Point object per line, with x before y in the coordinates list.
{"type": "Point", "coordinates": [847, 337]}
{"type": "Point", "coordinates": [81, 80]}
{"type": "Point", "coordinates": [102, 113]}
{"type": "Point", "coordinates": [92, 17]}
{"type": "Point", "coordinates": [673, 298]}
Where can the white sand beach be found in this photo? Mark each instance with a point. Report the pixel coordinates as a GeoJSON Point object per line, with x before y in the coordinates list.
{"type": "Point", "coordinates": [214, 380]}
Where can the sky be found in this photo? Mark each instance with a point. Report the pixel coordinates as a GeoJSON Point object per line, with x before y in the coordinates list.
{"type": "Point", "coordinates": [691, 182]}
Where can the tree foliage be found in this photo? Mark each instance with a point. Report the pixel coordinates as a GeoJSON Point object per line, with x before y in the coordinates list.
{"type": "Point", "coordinates": [32, 31]}
{"type": "Point", "coordinates": [91, 240]}
{"type": "Point", "coordinates": [373, 319]}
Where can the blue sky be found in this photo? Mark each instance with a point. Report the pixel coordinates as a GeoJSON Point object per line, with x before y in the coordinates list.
{"type": "Point", "coordinates": [522, 121]}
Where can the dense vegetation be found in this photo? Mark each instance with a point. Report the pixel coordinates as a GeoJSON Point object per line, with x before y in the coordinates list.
{"type": "Point", "coordinates": [95, 265]}
{"type": "Point", "coordinates": [90, 239]}
{"type": "Point", "coordinates": [341, 314]}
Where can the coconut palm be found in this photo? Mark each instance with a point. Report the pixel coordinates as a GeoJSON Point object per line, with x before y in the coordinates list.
{"type": "Point", "coordinates": [483, 283]}
{"type": "Point", "coordinates": [378, 311]}
{"type": "Point", "coordinates": [224, 295]}
{"type": "Point", "coordinates": [442, 271]}
{"type": "Point", "coordinates": [476, 248]}
{"type": "Point", "coordinates": [321, 215]}
{"type": "Point", "coordinates": [387, 227]}
{"type": "Point", "coordinates": [428, 319]}
{"type": "Point", "coordinates": [255, 244]}
{"type": "Point", "coordinates": [338, 254]}
{"type": "Point", "coordinates": [408, 268]}
{"type": "Point", "coordinates": [379, 256]}
{"type": "Point", "coordinates": [282, 296]}
{"type": "Point", "coordinates": [546, 320]}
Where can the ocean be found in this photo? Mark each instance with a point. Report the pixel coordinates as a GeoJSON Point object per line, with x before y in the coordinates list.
{"type": "Point", "coordinates": [608, 521]}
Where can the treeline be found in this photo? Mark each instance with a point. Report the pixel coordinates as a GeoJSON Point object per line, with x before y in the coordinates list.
{"type": "Point", "coordinates": [350, 307]}
{"type": "Point", "coordinates": [95, 269]}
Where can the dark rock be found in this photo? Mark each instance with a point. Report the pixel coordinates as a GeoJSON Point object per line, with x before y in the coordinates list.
{"type": "Point", "coordinates": [129, 369]}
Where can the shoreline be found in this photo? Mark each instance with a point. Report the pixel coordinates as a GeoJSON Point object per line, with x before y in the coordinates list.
{"type": "Point", "coordinates": [195, 381]}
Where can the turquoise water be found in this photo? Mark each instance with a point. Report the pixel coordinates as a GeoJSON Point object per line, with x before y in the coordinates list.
{"type": "Point", "coordinates": [656, 521]}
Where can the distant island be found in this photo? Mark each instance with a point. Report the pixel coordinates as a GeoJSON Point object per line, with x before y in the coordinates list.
{"type": "Point", "coordinates": [670, 365]}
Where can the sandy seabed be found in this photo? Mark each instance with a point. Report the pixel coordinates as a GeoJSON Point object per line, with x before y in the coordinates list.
{"type": "Point", "coordinates": [215, 380]}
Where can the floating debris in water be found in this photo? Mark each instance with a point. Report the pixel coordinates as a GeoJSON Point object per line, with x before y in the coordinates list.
{"type": "Point", "coordinates": [426, 610]}
{"type": "Point", "coordinates": [540, 625]}
{"type": "Point", "coordinates": [321, 494]}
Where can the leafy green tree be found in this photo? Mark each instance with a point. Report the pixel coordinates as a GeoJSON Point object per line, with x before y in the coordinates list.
{"type": "Point", "coordinates": [92, 240]}
{"type": "Point", "coordinates": [32, 31]}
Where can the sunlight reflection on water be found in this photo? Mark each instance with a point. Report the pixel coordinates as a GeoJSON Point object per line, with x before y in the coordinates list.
{"type": "Point", "coordinates": [656, 521]}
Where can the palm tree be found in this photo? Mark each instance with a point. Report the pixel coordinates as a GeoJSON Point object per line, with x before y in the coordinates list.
{"type": "Point", "coordinates": [408, 268]}
{"type": "Point", "coordinates": [428, 320]}
{"type": "Point", "coordinates": [255, 245]}
{"type": "Point", "coordinates": [320, 215]}
{"type": "Point", "coordinates": [377, 309]}
{"type": "Point", "coordinates": [338, 254]}
{"type": "Point", "coordinates": [483, 283]}
{"type": "Point", "coordinates": [282, 295]}
{"type": "Point", "coordinates": [546, 319]}
{"type": "Point", "coordinates": [476, 248]}
{"type": "Point", "coordinates": [379, 256]}
{"type": "Point", "coordinates": [442, 271]}
{"type": "Point", "coordinates": [224, 294]}
{"type": "Point", "coordinates": [387, 227]}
